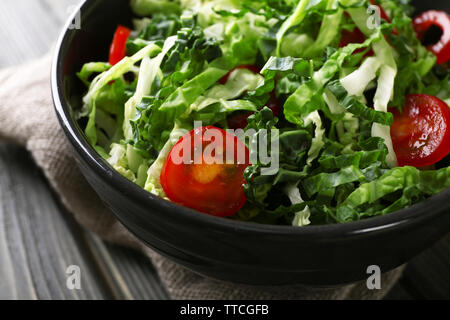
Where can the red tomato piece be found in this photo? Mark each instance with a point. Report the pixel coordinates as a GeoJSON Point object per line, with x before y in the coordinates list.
{"type": "Point", "coordinates": [119, 45]}
{"type": "Point", "coordinates": [199, 175]}
{"type": "Point", "coordinates": [441, 20]}
{"type": "Point", "coordinates": [421, 132]}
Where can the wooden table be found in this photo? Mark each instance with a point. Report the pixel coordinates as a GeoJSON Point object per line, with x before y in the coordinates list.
{"type": "Point", "coordinates": [39, 239]}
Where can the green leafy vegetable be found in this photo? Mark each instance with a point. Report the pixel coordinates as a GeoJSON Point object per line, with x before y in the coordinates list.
{"type": "Point", "coordinates": [331, 157]}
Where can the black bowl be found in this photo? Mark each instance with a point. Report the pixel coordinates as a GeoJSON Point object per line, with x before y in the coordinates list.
{"type": "Point", "coordinates": [222, 249]}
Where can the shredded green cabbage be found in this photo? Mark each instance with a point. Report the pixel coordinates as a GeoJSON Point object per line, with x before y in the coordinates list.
{"type": "Point", "coordinates": [335, 162]}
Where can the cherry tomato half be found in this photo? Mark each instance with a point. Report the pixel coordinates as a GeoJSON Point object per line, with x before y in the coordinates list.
{"type": "Point", "coordinates": [119, 45]}
{"type": "Point", "coordinates": [440, 19]}
{"type": "Point", "coordinates": [421, 132]}
{"type": "Point", "coordinates": [205, 171]}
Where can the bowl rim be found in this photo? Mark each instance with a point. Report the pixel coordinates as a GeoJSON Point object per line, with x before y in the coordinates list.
{"type": "Point", "coordinates": [417, 214]}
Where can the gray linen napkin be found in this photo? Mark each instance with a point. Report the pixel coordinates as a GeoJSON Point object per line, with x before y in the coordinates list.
{"type": "Point", "coordinates": [27, 118]}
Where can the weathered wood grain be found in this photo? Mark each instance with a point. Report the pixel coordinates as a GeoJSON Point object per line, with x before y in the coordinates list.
{"type": "Point", "coordinates": [38, 243]}
{"type": "Point", "coordinates": [127, 272]}
{"type": "Point", "coordinates": [38, 239]}
{"type": "Point", "coordinates": [29, 28]}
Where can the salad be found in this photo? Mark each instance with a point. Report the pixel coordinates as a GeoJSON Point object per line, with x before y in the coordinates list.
{"type": "Point", "coordinates": [350, 97]}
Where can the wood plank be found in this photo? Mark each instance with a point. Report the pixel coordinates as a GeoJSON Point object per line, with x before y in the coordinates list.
{"type": "Point", "coordinates": [27, 29]}
{"type": "Point", "coordinates": [128, 273]}
{"type": "Point", "coordinates": [37, 241]}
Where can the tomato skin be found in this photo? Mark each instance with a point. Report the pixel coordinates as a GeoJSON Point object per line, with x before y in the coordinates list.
{"type": "Point", "coordinates": [215, 189]}
{"type": "Point", "coordinates": [439, 19]}
{"type": "Point", "coordinates": [421, 132]}
{"type": "Point", "coordinates": [118, 48]}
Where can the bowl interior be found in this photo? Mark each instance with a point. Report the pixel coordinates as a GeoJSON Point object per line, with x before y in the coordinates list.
{"type": "Point", "coordinates": [91, 43]}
